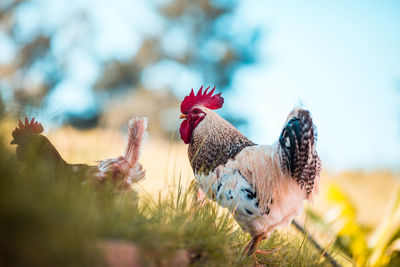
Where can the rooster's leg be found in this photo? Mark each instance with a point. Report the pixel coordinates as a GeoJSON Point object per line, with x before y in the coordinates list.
{"type": "Point", "coordinates": [246, 249]}
{"type": "Point", "coordinates": [251, 247]}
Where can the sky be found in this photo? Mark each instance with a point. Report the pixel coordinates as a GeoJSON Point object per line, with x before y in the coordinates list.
{"type": "Point", "coordinates": [339, 59]}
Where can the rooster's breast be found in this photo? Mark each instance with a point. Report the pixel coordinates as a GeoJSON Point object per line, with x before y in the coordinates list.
{"type": "Point", "coordinates": [228, 186]}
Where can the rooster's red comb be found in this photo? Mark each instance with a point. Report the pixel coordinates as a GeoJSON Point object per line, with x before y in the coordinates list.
{"type": "Point", "coordinates": [30, 127]}
{"type": "Point", "coordinates": [205, 99]}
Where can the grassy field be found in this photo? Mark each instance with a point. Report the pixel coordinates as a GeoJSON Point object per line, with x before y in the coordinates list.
{"type": "Point", "coordinates": [48, 221]}
{"type": "Point", "coordinates": [164, 161]}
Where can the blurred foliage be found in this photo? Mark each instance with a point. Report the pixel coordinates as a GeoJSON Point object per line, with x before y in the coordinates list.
{"type": "Point", "coordinates": [199, 42]}
{"type": "Point", "coordinates": [379, 246]}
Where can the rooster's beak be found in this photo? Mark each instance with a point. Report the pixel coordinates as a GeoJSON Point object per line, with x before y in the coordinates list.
{"type": "Point", "coordinates": [183, 116]}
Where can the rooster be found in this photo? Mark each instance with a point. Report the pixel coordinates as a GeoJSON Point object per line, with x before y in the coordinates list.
{"type": "Point", "coordinates": [262, 185]}
{"type": "Point", "coordinates": [33, 147]}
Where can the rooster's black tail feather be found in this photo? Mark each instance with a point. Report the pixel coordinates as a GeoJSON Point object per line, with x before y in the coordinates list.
{"type": "Point", "coordinates": [299, 155]}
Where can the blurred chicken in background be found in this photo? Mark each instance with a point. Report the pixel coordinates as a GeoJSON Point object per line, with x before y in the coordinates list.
{"type": "Point", "coordinates": [35, 148]}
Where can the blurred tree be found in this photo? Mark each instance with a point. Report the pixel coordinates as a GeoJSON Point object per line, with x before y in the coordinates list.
{"type": "Point", "coordinates": [14, 73]}
{"type": "Point", "coordinates": [30, 70]}
{"type": "Point", "coordinates": [197, 42]}
{"type": "Point", "coordinates": [198, 36]}
{"type": "Point", "coordinates": [1, 108]}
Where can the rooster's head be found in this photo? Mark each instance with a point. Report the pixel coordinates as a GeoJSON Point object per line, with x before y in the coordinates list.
{"type": "Point", "coordinates": [193, 110]}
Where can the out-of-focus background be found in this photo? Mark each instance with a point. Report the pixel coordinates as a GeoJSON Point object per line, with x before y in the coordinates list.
{"type": "Point", "coordinates": [83, 68]}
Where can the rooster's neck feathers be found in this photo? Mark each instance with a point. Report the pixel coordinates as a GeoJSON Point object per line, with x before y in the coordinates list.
{"type": "Point", "coordinates": [214, 142]}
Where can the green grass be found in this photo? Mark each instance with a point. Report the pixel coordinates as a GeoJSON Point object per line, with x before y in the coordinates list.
{"type": "Point", "coordinates": [49, 219]}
